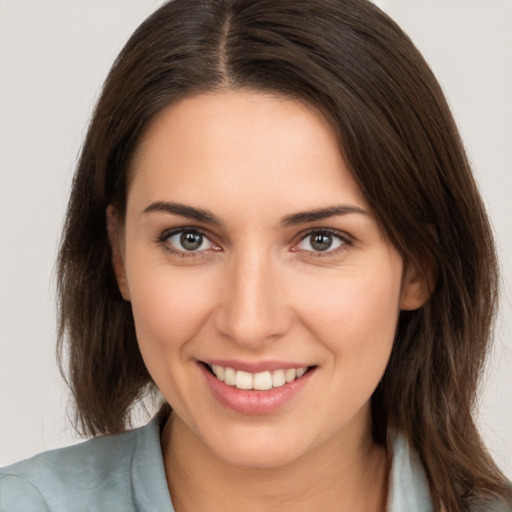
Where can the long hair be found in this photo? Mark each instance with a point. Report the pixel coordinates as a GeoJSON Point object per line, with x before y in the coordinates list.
{"type": "Point", "coordinates": [354, 64]}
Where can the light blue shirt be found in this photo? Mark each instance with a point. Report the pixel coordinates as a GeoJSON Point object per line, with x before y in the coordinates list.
{"type": "Point", "coordinates": [125, 473]}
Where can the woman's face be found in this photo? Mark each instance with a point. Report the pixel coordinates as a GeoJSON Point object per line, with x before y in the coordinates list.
{"type": "Point", "coordinates": [249, 250]}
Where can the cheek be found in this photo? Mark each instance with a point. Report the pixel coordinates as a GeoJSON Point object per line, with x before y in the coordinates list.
{"type": "Point", "coordinates": [355, 321]}
{"type": "Point", "coordinates": [169, 306]}
{"type": "Point", "coordinates": [356, 313]}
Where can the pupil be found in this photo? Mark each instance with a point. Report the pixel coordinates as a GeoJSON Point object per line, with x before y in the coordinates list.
{"type": "Point", "coordinates": [191, 241]}
{"type": "Point", "coordinates": [321, 242]}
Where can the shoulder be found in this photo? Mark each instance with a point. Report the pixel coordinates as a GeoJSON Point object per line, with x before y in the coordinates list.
{"type": "Point", "coordinates": [54, 479]}
{"type": "Point", "coordinates": [106, 470]}
{"type": "Point", "coordinates": [409, 488]}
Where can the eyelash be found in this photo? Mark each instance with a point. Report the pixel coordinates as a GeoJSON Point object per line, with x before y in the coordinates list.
{"type": "Point", "coordinates": [343, 238]}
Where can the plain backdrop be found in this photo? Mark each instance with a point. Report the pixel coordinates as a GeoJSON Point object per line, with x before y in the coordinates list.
{"type": "Point", "coordinates": [54, 56]}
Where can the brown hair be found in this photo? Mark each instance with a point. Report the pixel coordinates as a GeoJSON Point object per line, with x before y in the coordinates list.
{"type": "Point", "coordinates": [349, 60]}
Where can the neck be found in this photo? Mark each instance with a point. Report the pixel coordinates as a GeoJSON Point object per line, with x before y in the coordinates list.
{"type": "Point", "coordinates": [343, 476]}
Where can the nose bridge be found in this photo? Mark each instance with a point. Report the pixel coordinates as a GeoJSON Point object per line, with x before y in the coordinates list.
{"type": "Point", "coordinates": [252, 309]}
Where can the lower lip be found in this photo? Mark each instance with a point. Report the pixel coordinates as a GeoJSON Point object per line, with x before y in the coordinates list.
{"type": "Point", "coordinates": [254, 402]}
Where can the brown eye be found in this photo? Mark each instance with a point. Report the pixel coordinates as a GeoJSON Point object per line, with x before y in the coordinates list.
{"type": "Point", "coordinates": [321, 241]}
{"type": "Point", "coordinates": [187, 241]}
{"type": "Point", "coordinates": [191, 241]}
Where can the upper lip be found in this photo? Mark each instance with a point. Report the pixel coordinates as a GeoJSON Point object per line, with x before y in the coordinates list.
{"type": "Point", "coordinates": [255, 366]}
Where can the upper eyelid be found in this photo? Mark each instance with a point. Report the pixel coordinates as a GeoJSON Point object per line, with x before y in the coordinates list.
{"type": "Point", "coordinates": [166, 233]}
{"type": "Point", "coordinates": [336, 232]}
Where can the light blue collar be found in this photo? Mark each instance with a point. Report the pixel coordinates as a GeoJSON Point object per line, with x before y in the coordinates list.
{"type": "Point", "coordinates": [408, 485]}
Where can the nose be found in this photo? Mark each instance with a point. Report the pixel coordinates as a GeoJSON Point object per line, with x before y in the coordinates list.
{"type": "Point", "coordinates": [253, 309]}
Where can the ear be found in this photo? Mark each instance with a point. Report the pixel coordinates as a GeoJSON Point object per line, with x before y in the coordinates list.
{"type": "Point", "coordinates": [417, 285]}
{"type": "Point", "coordinates": [115, 232]}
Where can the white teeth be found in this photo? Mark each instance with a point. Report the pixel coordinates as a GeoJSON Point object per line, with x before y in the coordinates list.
{"type": "Point", "coordinates": [229, 376]}
{"type": "Point", "coordinates": [218, 371]}
{"type": "Point", "coordinates": [243, 380]}
{"type": "Point", "coordinates": [278, 378]}
{"type": "Point", "coordinates": [290, 374]}
{"type": "Point", "coordinates": [261, 381]}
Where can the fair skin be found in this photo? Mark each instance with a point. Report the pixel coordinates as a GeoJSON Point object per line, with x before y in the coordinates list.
{"type": "Point", "coordinates": [248, 245]}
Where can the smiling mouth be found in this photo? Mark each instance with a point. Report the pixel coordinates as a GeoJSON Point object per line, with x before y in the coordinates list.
{"type": "Point", "coordinates": [261, 381]}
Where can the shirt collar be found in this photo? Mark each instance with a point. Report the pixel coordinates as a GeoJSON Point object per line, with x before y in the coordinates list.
{"type": "Point", "coordinates": [408, 484]}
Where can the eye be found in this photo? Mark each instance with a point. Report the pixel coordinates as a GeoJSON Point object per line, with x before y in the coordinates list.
{"type": "Point", "coordinates": [186, 241]}
{"type": "Point", "coordinates": [321, 241]}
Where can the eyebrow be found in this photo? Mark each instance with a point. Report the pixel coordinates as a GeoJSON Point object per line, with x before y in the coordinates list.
{"type": "Point", "coordinates": [320, 214]}
{"type": "Point", "coordinates": [206, 216]}
{"type": "Point", "coordinates": [182, 210]}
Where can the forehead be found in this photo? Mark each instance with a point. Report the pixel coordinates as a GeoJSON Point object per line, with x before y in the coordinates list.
{"type": "Point", "coordinates": [240, 144]}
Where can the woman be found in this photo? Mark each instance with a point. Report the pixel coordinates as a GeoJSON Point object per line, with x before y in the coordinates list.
{"type": "Point", "coordinates": [274, 223]}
